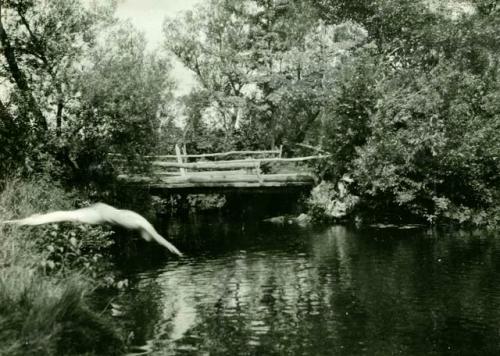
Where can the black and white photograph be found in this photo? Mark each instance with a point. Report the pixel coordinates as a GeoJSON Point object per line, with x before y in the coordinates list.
{"type": "Point", "coordinates": [249, 177]}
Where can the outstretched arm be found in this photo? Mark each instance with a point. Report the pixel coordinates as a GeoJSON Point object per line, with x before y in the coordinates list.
{"type": "Point", "coordinates": [150, 233]}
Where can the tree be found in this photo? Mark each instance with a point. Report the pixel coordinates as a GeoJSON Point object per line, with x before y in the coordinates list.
{"type": "Point", "coordinates": [18, 75]}
{"type": "Point", "coordinates": [265, 64]}
{"type": "Point", "coordinates": [123, 92]}
{"type": "Point", "coordinates": [76, 97]}
{"type": "Point", "coordinates": [211, 42]}
{"type": "Point", "coordinates": [43, 44]}
{"type": "Point", "coordinates": [413, 121]}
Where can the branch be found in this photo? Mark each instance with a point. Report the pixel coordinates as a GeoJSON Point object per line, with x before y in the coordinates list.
{"type": "Point", "coordinates": [40, 53]}
{"type": "Point", "coordinates": [317, 149]}
{"type": "Point", "coordinates": [34, 40]}
{"type": "Point", "coordinates": [18, 75]}
{"type": "Point", "coordinates": [303, 129]}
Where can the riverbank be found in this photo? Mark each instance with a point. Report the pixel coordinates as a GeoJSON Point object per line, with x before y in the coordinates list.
{"type": "Point", "coordinates": [47, 276]}
{"type": "Point", "coordinates": [346, 202]}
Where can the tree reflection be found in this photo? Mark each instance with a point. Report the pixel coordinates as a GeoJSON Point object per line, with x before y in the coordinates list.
{"type": "Point", "coordinates": [334, 291]}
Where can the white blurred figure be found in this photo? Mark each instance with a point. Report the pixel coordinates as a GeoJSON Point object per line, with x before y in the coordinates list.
{"type": "Point", "coordinates": [99, 214]}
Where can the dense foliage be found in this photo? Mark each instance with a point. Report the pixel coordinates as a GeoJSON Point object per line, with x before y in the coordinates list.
{"type": "Point", "coordinates": [402, 94]}
{"type": "Point", "coordinates": [415, 122]}
{"type": "Point", "coordinates": [46, 276]}
{"type": "Point", "coordinates": [263, 69]}
{"type": "Point", "coordinates": [77, 84]}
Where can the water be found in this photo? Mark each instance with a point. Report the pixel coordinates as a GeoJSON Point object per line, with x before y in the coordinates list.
{"type": "Point", "coordinates": [258, 289]}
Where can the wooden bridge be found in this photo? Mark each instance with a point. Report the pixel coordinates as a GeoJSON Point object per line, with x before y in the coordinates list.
{"type": "Point", "coordinates": [219, 171]}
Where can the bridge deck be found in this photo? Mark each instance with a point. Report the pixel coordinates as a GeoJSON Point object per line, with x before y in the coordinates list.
{"type": "Point", "coordinates": [219, 174]}
{"type": "Point", "coordinates": [222, 180]}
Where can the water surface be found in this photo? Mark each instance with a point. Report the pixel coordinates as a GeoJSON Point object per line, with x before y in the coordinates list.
{"type": "Point", "coordinates": [260, 289]}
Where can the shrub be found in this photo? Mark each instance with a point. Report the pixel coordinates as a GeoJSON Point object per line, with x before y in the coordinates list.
{"type": "Point", "coordinates": [326, 202]}
{"type": "Point", "coordinates": [433, 149]}
{"type": "Point", "coordinates": [46, 274]}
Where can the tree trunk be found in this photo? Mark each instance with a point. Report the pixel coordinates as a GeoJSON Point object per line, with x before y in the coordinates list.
{"type": "Point", "coordinates": [6, 118]}
{"type": "Point", "coordinates": [12, 141]}
{"type": "Point", "coordinates": [300, 135]}
{"type": "Point", "coordinates": [60, 107]}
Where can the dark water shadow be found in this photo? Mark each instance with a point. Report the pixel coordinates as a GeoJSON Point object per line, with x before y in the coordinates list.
{"type": "Point", "coordinates": [258, 289]}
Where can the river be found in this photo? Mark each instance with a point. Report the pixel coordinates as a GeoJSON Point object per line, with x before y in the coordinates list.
{"type": "Point", "coordinates": [260, 289]}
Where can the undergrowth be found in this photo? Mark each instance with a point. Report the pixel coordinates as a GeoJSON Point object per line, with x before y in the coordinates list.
{"type": "Point", "coordinates": [47, 274]}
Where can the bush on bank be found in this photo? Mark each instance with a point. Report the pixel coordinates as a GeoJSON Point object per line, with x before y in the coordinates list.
{"type": "Point", "coordinates": [424, 147]}
{"type": "Point", "coordinates": [47, 274]}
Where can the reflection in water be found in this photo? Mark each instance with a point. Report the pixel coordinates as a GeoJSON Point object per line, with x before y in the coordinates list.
{"type": "Point", "coordinates": [265, 290]}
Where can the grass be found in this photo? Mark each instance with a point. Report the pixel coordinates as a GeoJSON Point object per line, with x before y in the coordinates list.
{"type": "Point", "coordinates": [44, 312]}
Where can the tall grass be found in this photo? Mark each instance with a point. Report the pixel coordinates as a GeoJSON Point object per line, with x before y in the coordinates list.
{"type": "Point", "coordinates": [44, 312]}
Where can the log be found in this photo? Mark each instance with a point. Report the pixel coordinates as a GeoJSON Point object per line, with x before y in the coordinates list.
{"type": "Point", "coordinates": [166, 173]}
{"type": "Point", "coordinates": [217, 179]}
{"type": "Point", "coordinates": [242, 163]}
{"type": "Point", "coordinates": [218, 154]}
{"type": "Point", "coordinates": [224, 165]}
{"type": "Point", "coordinates": [202, 173]}
{"type": "Point", "coordinates": [216, 185]}
{"type": "Point", "coordinates": [133, 179]}
{"type": "Point", "coordinates": [230, 185]}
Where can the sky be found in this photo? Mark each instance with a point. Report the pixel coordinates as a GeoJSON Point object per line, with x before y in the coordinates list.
{"type": "Point", "coordinates": [148, 16]}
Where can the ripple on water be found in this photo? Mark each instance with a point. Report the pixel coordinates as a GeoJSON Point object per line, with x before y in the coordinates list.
{"type": "Point", "coordinates": [323, 292]}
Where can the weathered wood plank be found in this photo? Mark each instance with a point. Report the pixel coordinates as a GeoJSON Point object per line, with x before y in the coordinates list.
{"type": "Point", "coordinates": [242, 163]}
{"type": "Point", "coordinates": [216, 178]}
{"type": "Point", "coordinates": [229, 185]}
{"type": "Point", "coordinates": [219, 174]}
{"type": "Point", "coordinates": [165, 173]}
{"type": "Point", "coordinates": [161, 172]}
{"type": "Point", "coordinates": [221, 165]}
{"type": "Point", "coordinates": [217, 154]}
{"type": "Point", "coordinates": [221, 178]}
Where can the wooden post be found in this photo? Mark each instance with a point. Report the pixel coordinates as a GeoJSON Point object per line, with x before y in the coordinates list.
{"type": "Point", "coordinates": [179, 159]}
{"type": "Point", "coordinates": [184, 153]}
{"type": "Point", "coordinates": [281, 150]}
{"type": "Point", "coordinates": [259, 171]}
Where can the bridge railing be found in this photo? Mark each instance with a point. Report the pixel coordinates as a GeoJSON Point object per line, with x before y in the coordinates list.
{"type": "Point", "coordinates": [217, 155]}
{"type": "Point", "coordinates": [230, 162]}
{"type": "Point", "coordinates": [232, 167]}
